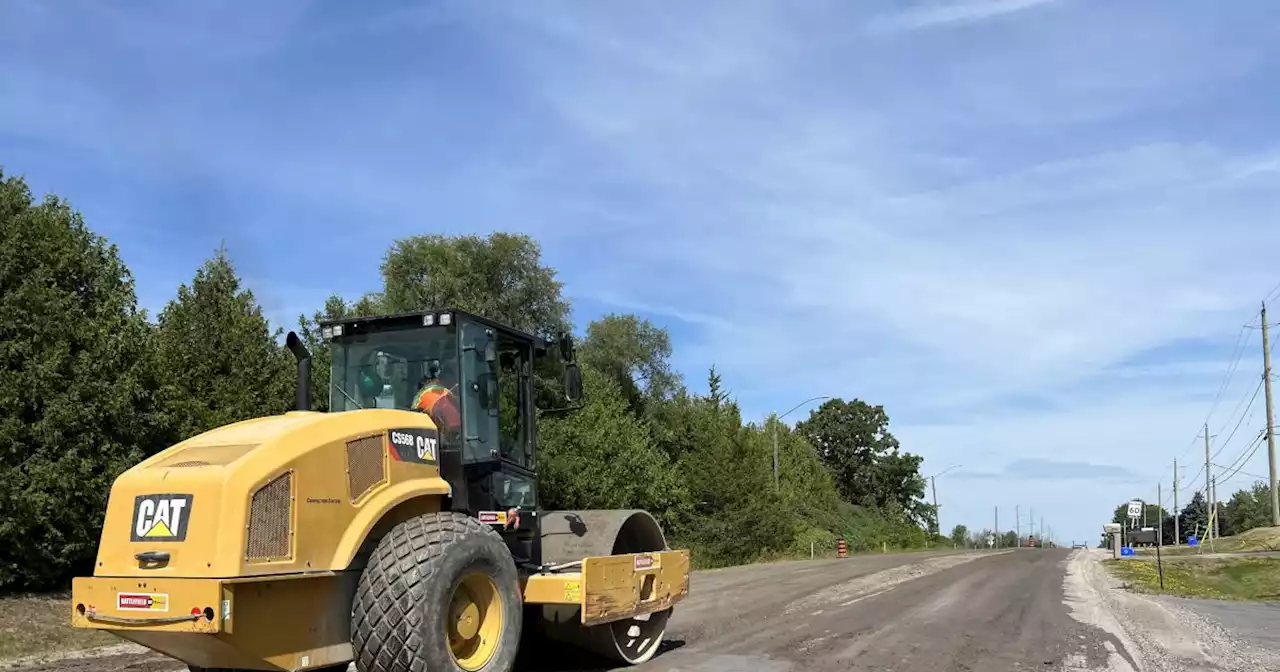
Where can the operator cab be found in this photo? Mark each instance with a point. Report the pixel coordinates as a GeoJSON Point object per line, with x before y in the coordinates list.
{"type": "Point", "coordinates": [487, 451]}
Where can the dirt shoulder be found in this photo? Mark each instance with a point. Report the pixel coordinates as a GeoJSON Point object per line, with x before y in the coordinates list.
{"type": "Point", "coordinates": [38, 624]}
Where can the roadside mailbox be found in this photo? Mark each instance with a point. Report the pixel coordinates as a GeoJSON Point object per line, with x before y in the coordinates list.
{"type": "Point", "coordinates": [1114, 530]}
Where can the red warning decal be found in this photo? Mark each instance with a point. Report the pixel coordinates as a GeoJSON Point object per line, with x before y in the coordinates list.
{"type": "Point", "coordinates": [493, 517]}
{"type": "Point", "coordinates": [142, 602]}
{"type": "Point", "coordinates": [647, 562]}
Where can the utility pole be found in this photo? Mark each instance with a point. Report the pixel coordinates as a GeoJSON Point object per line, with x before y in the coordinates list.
{"type": "Point", "coordinates": [997, 527]}
{"type": "Point", "coordinates": [776, 422]}
{"type": "Point", "coordinates": [1213, 510]}
{"type": "Point", "coordinates": [1017, 524]}
{"type": "Point", "coordinates": [1160, 525]}
{"type": "Point", "coordinates": [1176, 535]}
{"type": "Point", "coordinates": [937, 516]}
{"type": "Point", "coordinates": [1207, 491]}
{"type": "Point", "coordinates": [1271, 423]}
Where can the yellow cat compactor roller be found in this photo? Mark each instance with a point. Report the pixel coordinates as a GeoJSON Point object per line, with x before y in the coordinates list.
{"type": "Point", "coordinates": [398, 539]}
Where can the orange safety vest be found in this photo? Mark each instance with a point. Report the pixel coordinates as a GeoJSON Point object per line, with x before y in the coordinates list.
{"type": "Point", "coordinates": [428, 400]}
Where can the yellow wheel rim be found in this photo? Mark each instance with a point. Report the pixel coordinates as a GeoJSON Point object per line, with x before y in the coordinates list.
{"type": "Point", "coordinates": [474, 624]}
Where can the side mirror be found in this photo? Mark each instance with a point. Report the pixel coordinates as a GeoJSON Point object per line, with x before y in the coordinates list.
{"type": "Point", "coordinates": [572, 381]}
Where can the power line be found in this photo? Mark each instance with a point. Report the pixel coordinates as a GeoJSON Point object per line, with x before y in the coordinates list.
{"type": "Point", "coordinates": [1222, 446]}
{"type": "Point", "coordinates": [1236, 354]}
{"type": "Point", "coordinates": [1253, 444]}
{"type": "Point", "coordinates": [1272, 292]}
{"type": "Point", "coordinates": [1246, 454]}
{"type": "Point", "coordinates": [1246, 473]}
{"type": "Point", "coordinates": [1241, 420]}
{"type": "Point", "coordinates": [1256, 445]}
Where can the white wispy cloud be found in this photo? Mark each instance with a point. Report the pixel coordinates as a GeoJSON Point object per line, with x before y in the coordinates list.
{"type": "Point", "coordinates": [947, 12]}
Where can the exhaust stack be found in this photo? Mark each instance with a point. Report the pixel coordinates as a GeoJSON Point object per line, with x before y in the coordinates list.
{"type": "Point", "coordinates": [300, 353]}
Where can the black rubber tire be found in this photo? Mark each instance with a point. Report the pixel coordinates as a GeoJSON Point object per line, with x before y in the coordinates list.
{"type": "Point", "coordinates": [402, 599]}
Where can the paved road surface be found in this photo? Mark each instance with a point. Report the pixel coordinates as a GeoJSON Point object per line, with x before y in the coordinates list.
{"type": "Point", "coordinates": [1253, 623]}
{"type": "Point", "coordinates": [1016, 610]}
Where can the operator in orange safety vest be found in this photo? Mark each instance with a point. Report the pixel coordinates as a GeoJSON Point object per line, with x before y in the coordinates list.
{"type": "Point", "coordinates": [437, 401]}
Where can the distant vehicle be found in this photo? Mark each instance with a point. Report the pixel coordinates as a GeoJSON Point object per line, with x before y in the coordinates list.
{"type": "Point", "coordinates": [1143, 537]}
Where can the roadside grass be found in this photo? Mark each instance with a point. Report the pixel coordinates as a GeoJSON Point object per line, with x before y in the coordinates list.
{"type": "Point", "coordinates": [36, 624]}
{"type": "Point", "coordinates": [1252, 579]}
{"type": "Point", "coordinates": [1253, 541]}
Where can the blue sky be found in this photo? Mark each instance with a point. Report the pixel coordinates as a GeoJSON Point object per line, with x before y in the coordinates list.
{"type": "Point", "coordinates": [1033, 229]}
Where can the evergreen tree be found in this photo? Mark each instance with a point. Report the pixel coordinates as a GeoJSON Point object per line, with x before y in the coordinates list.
{"type": "Point", "coordinates": [1194, 519]}
{"type": "Point", "coordinates": [77, 403]}
{"type": "Point", "coordinates": [222, 363]}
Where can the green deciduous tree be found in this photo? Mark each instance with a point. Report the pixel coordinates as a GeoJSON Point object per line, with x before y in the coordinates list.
{"type": "Point", "coordinates": [853, 440]}
{"type": "Point", "coordinates": [221, 360]}
{"type": "Point", "coordinates": [849, 436]}
{"type": "Point", "coordinates": [636, 355]}
{"type": "Point", "coordinates": [500, 276]}
{"type": "Point", "coordinates": [960, 535]}
{"type": "Point", "coordinates": [1247, 509]}
{"type": "Point", "coordinates": [77, 403]}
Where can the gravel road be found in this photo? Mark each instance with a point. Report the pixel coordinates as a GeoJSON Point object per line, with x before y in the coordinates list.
{"type": "Point", "coordinates": [984, 611]}
{"type": "Point", "coordinates": [1052, 609]}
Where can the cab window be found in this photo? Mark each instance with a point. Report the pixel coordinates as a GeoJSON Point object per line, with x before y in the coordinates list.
{"type": "Point", "coordinates": [479, 391]}
{"type": "Point", "coordinates": [514, 402]}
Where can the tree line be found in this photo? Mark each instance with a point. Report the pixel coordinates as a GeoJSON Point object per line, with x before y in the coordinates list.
{"type": "Point", "coordinates": [1246, 509]}
{"type": "Point", "coordinates": [92, 384]}
{"type": "Point", "coordinates": [963, 537]}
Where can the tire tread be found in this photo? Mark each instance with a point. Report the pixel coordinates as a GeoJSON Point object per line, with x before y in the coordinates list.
{"type": "Point", "coordinates": [385, 632]}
